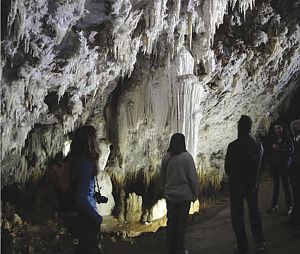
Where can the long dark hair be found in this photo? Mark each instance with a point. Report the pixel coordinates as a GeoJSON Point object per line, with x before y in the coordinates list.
{"type": "Point", "coordinates": [177, 144]}
{"type": "Point", "coordinates": [84, 146]}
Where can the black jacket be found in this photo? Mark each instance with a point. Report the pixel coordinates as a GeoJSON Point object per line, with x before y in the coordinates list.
{"type": "Point", "coordinates": [295, 165]}
{"type": "Point", "coordinates": [242, 161]}
{"type": "Point", "coordinates": [280, 159]}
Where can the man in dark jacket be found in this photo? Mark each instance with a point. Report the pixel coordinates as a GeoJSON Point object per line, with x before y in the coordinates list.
{"type": "Point", "coordinates": [295, 177]}
{"type": "Point", "coordinates": [242, 165]}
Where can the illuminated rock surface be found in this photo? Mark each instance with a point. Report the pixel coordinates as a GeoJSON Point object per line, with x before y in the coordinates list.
{"type": "Point", "coordinates": [140, 71]}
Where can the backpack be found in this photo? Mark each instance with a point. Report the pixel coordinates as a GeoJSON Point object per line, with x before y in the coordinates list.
{"type": "Point", "coordinates": [59, 175]}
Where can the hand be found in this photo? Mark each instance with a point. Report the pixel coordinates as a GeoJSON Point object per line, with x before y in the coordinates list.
{"type": "Point", "coordinates": [275, 147]}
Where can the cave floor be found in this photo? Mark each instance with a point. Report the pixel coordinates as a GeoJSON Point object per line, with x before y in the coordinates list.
{"type": "Point", "coordinates": [210, 232]}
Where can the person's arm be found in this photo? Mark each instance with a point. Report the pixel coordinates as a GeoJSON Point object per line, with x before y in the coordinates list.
{"type": "Point", "coordinates": [289, 147]}
{"type": "Point", "coordinates": [228, 160]}
{"type": "Point", "coordinates": [162, 174]}
{"type": "Point", "coordinates": [193, 177]}
{"type": "Point", "coordinates": [257, 157]}
{"type": "Point", "coordinates": [86, 170]}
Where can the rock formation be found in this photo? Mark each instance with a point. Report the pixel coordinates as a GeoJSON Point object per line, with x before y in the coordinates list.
{"type": "Point", "coordinates": [139, 71]}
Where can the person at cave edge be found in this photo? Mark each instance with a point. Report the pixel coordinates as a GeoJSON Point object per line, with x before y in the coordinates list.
{"type": "Point", "coordinates": [242, 165]}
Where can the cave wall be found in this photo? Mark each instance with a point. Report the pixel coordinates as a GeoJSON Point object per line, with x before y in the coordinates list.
{"type": "Point", "coordinates": [140, 71]}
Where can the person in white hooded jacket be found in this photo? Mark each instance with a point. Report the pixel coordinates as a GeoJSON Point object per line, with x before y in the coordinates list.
{"type": "Point", "coordinates": [180, 184]}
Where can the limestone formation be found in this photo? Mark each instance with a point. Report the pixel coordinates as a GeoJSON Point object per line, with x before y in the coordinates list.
{"type": "Point", "coordinates": [139, 71]}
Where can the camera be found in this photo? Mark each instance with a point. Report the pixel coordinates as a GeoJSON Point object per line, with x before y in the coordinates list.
{"type": "Point", "coordinates": [99, 198]}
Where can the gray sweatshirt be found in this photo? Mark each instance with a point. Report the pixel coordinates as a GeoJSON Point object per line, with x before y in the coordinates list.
{"type": "Point", "coordinates": [178, 177]}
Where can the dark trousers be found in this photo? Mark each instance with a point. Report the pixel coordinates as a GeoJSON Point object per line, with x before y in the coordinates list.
{"type": "Point", "coordinates": [277, 175]}
{"type": "Point", "coordinates": [237, 196]}
{"type": "Point", "coordinates": [88, 236]}
{"type": "Point", "coordinates": [177, 219]}
{"type": "Point", "coordinates": [296, 206]}
{"type": "Point", "coordinates": [86, 231]}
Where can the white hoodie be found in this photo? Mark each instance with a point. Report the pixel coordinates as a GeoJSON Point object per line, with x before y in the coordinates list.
{"type": "Point", "coordinates": [178, 177]}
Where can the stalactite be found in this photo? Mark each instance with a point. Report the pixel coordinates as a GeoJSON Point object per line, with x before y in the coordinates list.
{"type": "Point", "coordinates": [177, 9]}
{"type": "Point", "coordinates": [174, 82]}
{"type": "Point", "coordinates": [245, 5]}
{"type": "Point", "coordinates": [190, 28]}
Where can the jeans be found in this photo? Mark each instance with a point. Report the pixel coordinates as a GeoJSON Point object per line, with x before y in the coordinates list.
{"type": "Point", "coordinates": [277, 175]}
{"type": "Point", "coordinates": [177, 214]}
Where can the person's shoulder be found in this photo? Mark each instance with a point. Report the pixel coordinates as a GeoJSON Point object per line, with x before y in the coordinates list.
{"type": "Point", "coordinates": [166, 157]}
{"type": "Point", "coordinates": [233, 143]}
{"type": "Point", "coordinates": [251, 142]}
{"type": "Point", "coordinates": [186, 154]}
{"type": "Point", "coordinates": [254, 140]}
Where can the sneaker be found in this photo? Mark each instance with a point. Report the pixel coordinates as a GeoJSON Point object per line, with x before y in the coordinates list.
{"type": "Point", "coordinates": [273, 209]}
{"type": "Point", "coordinates": [262, 247]}
{"type": "Point", "coordinates": [290, 210]}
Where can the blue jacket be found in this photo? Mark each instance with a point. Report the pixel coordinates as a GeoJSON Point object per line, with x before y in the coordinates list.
{"type": "Point", "coordinates": [84, 195]}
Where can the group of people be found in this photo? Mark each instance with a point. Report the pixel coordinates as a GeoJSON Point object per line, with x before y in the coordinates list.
{"type": "Point", "coordinates": [282, 160]}
{"type": "Point", "coordinates": [243, 167]}
{"type": "Point", "coordinates": [180, 184]}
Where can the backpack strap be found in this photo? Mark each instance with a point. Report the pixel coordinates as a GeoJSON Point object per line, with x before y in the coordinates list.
{"type": "Point", "coordinates": [96, 183]}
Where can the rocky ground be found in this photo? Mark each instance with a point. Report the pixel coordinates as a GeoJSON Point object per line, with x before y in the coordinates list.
{"type": "Point", "coordinates": [208, 232]}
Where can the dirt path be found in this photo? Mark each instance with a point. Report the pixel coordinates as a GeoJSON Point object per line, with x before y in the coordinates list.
{"type": "Point", "coordinates": [211, 233]}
